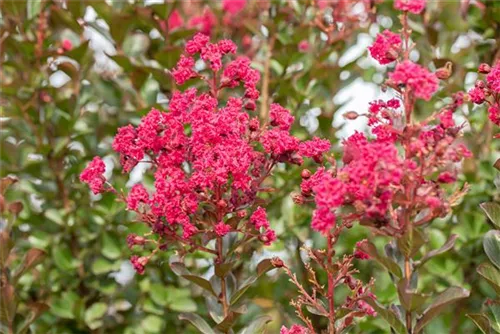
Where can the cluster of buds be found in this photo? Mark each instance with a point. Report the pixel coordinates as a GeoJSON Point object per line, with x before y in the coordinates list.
{"type": "Point", "coordinates": [488, 91]}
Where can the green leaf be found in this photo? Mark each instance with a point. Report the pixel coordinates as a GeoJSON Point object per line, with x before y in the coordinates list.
{"type": "Point", "coordinates": [33, 8]}
{"type": "Point", "coordinates": [36, 310]}
{"type": "Point", "coordinates": [370, 249]}
{"type": "Point", "coordinates": [197, 322]}
{"type": "Point", "coordinates": [491, 274]}
{"type": "Point", "coordinates": [110, 247]}
{"type": "Point", "coordinates": [201, 282]}
{"type": "Point", "coordinates": [64, 306]}
{"type": "Point", "coordinates": [222, 269]}
{"type": "Point", "coordinates": [388, 315]}
{"type": "Point", "coordinates": [258, 326]}
{"type": "Point", "coordinates": [183, 305]}
{"type": "Point", "coordinates": [93, 315]}
{"type": "Point", "coordinates": [481, 321]}
{"type": "Point", "coordinates": [263, 267]}
{"type": "Point", "coordinates": [491, 244]}
{"type": "Point", "coordinates": [102, 266]}
{"type": "Point", "coordinates": [492, 210]}
{"type": "Point", "coordinates": [410, 242]}
{"type": "Point", "coordinates": [159, 294]}
{"type": "Point", "coordinates": [63, 258]}
{"type": "Point", "coordinates": [444, 299]}
{"type": "Point", "coordinates": [410, 300]}
{"type": "Point", "coordinates": [446, 247]}
{"type": "Point", "coordinates": [495, 319]}
{"type": "Point", "coordinates": [152, 324]}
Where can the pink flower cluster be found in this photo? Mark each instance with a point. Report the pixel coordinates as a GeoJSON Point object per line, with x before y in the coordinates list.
{"type": "Point", "coordinates": [386, 47]}
{"type": "Point", "coordinates": [415, 77]}
{"type": "Point", "coordinates": [412, 6]}
{"type": "Point", "coordinates": [93, 175]}
{"type": "Point", "coordinates": [375, 174]}
{"type": "Point", "coordinates": [205, 155]}
{"type": "Point", "coordinates": [295, 329]}
{"type": "Point", "coordinates": [488, 91]}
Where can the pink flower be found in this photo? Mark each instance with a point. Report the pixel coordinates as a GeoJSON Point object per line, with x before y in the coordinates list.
{"type": "Point", "coordinates": [494, 114]}
{"type": "Point", "coordinates": [493, 78]}
{"type": "Point", "coordinates": [233, 6]}
{"type": "Point", "coordinates": [204, 22]}
{"type": "Point", "coordinates": [268, 237]}
{"type": "Point", "coordinates": [314, 148]}
{"type": "Point", "coordinates": [212, 54]}
{"type": "Point", "coordinates": [433, 202]}
{"type": "Point", "coordinates": [227, 46]}
{"type": "Point", "coordinates": [93, 175]}
{"type": "Point", "coordinates": [222, 229]}
{"type": "Point", "coordinates": [66, 45]}
{"type": "Point", "coordinates": [139, 263]}
{"type": "Point", "coordinates": [477, 95]}
{"type": "Point", "coordinates": [446, 119]}
{"type": "Point", "coordinates": [134, 239]}
{"type": "Point", "coordinates": [259, 218]}
{"type": "Point", "coordinates": [412, 6]}
{"type": "Point", "coordinates": [280, 117]}
{"type": "Point", "coordinates": [175, 20]}
{"type": "Point", "coordinates": [386, 47]}
{"type": "Point", "coordinates": [184, 70]}
{"type": "Point", "coordinates": [446, 177]}
{"type": "Point", "coordinates": [196, 44]}
{"type": "Point", "coordinates": [295, 329]}
{"type": "Point", "coordinates": [303, 46]}
{"type": "Point", "coordinates": [138, 194]}
{"type": "Point", "coordinates": [360, 254]}
{"type": "Point", "coordinates": [417, 78]}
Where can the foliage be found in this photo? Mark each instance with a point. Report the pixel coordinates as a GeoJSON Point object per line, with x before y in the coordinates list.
{"type": "Point", "coordinates": [75, 71]}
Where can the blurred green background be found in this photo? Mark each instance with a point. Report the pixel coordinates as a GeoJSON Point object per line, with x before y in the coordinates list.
{"type": "Point", "coordinates": [61, 105]}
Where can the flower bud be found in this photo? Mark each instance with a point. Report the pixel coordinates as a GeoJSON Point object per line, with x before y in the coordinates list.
{"type": "Point", "coordinates": [253, 124]}
{"type": "Point", "coordinates": [222, 204]}
{"type": "Point", "coordinates": [298, 198]}
{"type": "Point", "coordinates": [351, 115]}
{"type": "Point", "coordinates": [444, 72]}
{"type": "Point", "coordinates": [484, 68]}
{"type": "Point", "coordinates": [480, 84]}
{"type": "Point", "coordinates": [277, 262]}
{"type": "Point", "coordinates": [242, 213]}
{"type": "Point", "coordinates": [391, 54]}
{"type": "Point", "coordinates": [250, 105]}
{"type": "Point", "coordinates": [306, 173]}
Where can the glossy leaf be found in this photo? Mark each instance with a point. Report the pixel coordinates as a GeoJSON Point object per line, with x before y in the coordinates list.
{"type": "Point", "coordinates": [388, 315]}
{"type": "Point", "coordinates": [197, 322]}
{"type": "Point", "coordinates": [446, 247]}
{"type": "Point", "coordinates": [491, 244]}
{"type": "Point", "coordinates": [492, 210]}
{"type": "Point", "coordinates": [481, 321]}
{"type": "Point", "coordinates": [257, 326]}
{"type": "Point", "coordinates": [491, 274]}
{"type": "Point", "coordinates": [370, 249]}
{"type": "Point", "coordinates": [439, 304]}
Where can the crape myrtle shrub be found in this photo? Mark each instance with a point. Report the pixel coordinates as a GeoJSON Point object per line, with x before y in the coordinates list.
{"type": "Point", "coordinates": [73, 72]}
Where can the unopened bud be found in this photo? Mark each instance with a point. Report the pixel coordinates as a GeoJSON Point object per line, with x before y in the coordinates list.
{"type": "Point", "coordinates": [306, 173]}
{"type": "Point", "coordinates": [391, 54]}
{"type": "Point", "coordinates": [222, 203]}
{"type": "Point", "coordinates": [242, 213]}
{"type": "Point", "coordinates": [484, 68]}
{"type": "Point", "coordinates": [479, 84]}
{"type": "Point", "coordinates": [444, 72]}
{"type": "Point", "coordinates": [277, 262]}
{"type": "Point", "coordinates": [298, 198]}
{"type": "Point", "coordinates": [351, 115]}
{"type": "Point", "coordinates": [253, 124]}
{"type": "Point", "coordinates": [250, 105]}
